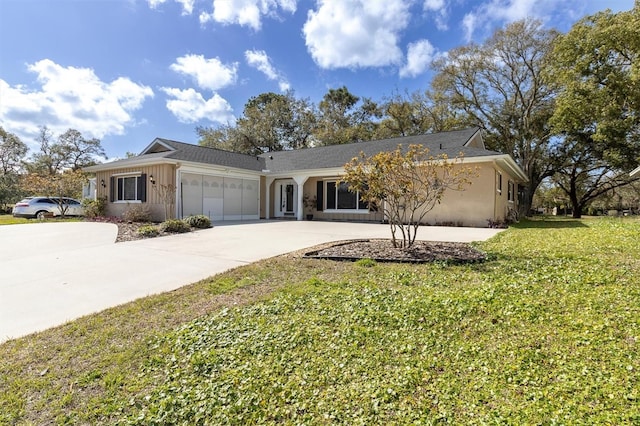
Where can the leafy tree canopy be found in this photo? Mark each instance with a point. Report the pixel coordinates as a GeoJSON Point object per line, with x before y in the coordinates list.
{"type": "Point", "coordinates": [499, 85]}
{"type": "Point", "coordinates": [597, 114]}
{"type": "Point", "coordinates": [71, 150]}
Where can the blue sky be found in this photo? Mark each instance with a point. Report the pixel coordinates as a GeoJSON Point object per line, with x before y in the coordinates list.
{"type": "Point", "coordinates": [127, 71]}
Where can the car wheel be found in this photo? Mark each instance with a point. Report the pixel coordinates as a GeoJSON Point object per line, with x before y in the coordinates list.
{"type": "Point", "coordinates": [41, 215]}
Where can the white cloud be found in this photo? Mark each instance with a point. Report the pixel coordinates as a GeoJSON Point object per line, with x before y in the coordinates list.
{"type": "Point", "coordinates": [469, 25]}
{"type": "Point", "coordinates": [209, 74]}
{"type": "Point", "coordinates": [187, 5]}
{"type": "Point", "coordinates": [356, 33]}
{"type": "Point", "coordinates": [189, 106]}
{"type": "Point", "coordinates": [259, 60]}
{"type": "Point", "coordinates": [419, 57]}
{"type": "Point", "coordinates": [494, 13]}
{"type": "Point", "coordinates": [70, 97]}
{"type": "Point", "coordinates": [246, 12]}
{"type": "Point", "coordinates": [439, 7]}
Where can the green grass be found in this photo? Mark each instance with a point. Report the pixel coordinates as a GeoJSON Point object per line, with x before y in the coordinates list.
{"type": "Point", "coordinates": [7, 219]}
{"type": "Point", "coordinates": [546, 332]}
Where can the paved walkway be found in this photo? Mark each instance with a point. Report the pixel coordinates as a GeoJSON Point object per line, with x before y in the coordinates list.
{"type": "Point", "coordinates": [51, 273]}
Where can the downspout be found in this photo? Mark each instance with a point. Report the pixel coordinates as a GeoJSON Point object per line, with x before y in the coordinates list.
{"type": "Point", "coordinates": [495, 191]}
{"type": "Point", "coordinates": [178, 192]}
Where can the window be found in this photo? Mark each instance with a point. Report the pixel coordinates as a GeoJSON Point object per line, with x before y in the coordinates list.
{"type": "Point", "coordinates": [499, 182]}
{"type": "Point", "coordinates": [339, 197]}
{"type": "Point", "coordinates": [510, 192]}
{"type": "Point", "coordinates": [129, 188]}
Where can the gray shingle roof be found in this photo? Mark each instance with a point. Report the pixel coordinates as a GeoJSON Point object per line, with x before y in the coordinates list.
{"type": "Point", "coordinates": [450, 143]}
{"type": "Point", "coordinates": [200, 154]}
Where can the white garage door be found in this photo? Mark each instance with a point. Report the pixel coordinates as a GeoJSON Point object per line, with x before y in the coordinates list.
{"type": "Point", "coordinates": [219, 198]}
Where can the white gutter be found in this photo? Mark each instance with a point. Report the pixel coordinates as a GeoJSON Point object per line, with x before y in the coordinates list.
{"type": "Point", "coordinates": [129, 163]}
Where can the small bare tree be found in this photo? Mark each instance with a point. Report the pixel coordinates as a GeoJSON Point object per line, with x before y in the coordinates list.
{"type": "Point", "coordinates": [166, 194]}
{"type": "Point", "coordinates": [407, 184]}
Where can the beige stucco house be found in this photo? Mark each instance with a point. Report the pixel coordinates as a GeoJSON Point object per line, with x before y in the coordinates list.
{"type": "Point", "coordinates": [230, 186]}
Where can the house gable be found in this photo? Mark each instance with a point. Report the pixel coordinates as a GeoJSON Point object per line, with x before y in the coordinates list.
{"type": "Point", "coordinates": [158, 145]}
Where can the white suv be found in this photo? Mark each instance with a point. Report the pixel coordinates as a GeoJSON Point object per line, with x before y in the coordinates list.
{"type": "Point", "coordinates": [41, 207]}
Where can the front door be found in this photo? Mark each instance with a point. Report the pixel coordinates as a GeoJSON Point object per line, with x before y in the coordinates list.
{"type": "Point", "coordinates": [286, 198]}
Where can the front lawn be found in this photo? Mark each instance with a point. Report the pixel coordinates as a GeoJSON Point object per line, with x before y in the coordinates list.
{"type": "Point", "coordinates": [545, 332]}
{"type": "Point", "coordinates": [7, 219]}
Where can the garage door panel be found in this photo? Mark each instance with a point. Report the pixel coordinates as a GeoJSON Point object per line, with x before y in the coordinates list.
{"type": "Point", "coordinates": [250, 192]}
{"type": "Point", "coordinates": [213, 208]}
{"type": "Point", "coordinates": [191, 194]}
{"type": "Point", "coordinates": [232, 198]}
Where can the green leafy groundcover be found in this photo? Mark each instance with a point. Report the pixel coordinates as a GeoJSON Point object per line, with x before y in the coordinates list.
{"type": "Point", "coordinates": [546, 332]}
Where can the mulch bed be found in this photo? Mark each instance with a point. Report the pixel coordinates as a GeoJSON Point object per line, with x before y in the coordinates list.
{"type": "Point", "coordinates": [383, 251]}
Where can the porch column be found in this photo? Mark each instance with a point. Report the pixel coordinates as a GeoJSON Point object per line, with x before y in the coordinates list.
{"type": "Point", "coordinates": [178, 208]}
{"type": "Point", "coordinates": [300, 180]}
{"type": "Point", "coordinates": [267, 206]}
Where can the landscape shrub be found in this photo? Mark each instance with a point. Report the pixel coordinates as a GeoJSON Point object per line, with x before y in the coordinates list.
{"type": "Point", "coordinates": [175, 226]}
{"type": "Point", "coordinates": [95, 208]}
{"type": "Point", "coordinates": [137, 213]}
{"type": "Point", "coordinates": [148, 231]}
{"type": "Point", "coordinates": [198, 221]}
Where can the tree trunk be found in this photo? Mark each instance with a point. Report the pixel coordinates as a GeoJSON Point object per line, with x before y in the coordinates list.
{"type": "Point", "coordinates": [576, 206]}
{"type": "Point", "coordinates": [524, 209]}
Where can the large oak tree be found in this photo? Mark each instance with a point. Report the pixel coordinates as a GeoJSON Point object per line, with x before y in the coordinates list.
{"type": "Point", "coordinates": [499, 85]}
{"type": "Point", "coordinates": [344, 118]}
{"type": "Point", "coordinates": [270, 122]}
{"type": "Point", "coordinates": [597, 114]}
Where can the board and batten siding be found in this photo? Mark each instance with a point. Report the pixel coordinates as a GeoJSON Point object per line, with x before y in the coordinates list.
{"type": "Point", "coordinates": [163, 174]}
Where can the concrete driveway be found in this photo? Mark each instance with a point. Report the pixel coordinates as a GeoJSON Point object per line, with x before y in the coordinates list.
{"type": "Point", "coordinates": [51, 273]}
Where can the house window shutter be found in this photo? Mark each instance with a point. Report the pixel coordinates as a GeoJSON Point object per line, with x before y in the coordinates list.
{"type": "Point", "coordinates": [142, 187]}
{"type": "Point", "coordinates": [112, 189]}
{"type": "Point", "coordinates": [319, 195]}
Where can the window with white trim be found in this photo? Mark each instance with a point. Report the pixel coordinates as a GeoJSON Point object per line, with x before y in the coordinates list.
{"type": "Point", "coordinates": [340, 197]}
{"type": "Point", "coordinates": [129, 188]}
{"type": "Point", "coordinates": [499, 182]}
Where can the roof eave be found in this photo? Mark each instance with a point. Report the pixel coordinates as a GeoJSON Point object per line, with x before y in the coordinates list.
{"type": "Point", "coordinates": [509, 164]}
{"type": "Point", "coordinates": [135, 161]}
{"type": "Point", "coordinates": [217, 167]}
